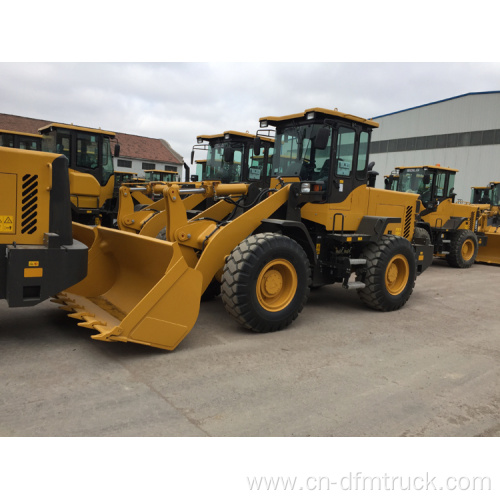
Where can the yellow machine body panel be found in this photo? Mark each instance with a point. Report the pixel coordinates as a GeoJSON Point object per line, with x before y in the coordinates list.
{"type": "Point", "coordinates": [25, 185]}
{"type": "Point", "coordinates": [86, 192]}
{"type": "Point", "coordinates": [366, 201]}
{"type": "Point", "coordinates": [447, 209]}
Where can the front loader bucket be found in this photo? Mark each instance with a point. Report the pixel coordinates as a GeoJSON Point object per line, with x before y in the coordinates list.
{"type": "Point", "coordinates": [490, 253]}
{"type": "Point", "coordinates": [137, 289]}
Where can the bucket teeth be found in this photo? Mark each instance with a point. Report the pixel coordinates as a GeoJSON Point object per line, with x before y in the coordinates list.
{"type": "Point", "coordinates": [92, 324]}
{"type": "Point", "coordinates": [57, 300]}
{"type": "Point", "coordinates": [81, 315]}
{"type": "Point", "coordinates": [70, 308]}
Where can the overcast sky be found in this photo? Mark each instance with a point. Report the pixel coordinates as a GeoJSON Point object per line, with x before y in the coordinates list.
{"type": "Point", "coordinates": [182, 98]}
{"type": "Point", "coordinates": [178, 101]}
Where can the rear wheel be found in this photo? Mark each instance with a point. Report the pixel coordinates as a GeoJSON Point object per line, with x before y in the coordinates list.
{"type": "Point", "coordinates": [422, 234]}
{"type": "Point", "coordinates": [389, 274]}
{"type": "Point", "coordinates": [463, 249]}
{"type": "Point", "coordinates": [265, 282]}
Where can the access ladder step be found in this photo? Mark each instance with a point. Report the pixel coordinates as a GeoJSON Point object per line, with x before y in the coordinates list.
{"type": "Point", "coordinates": [353, 285]}
{"type": "Point", "coordinates": [357, 262]}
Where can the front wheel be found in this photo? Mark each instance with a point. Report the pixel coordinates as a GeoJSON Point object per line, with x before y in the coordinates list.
{"type": "Point", "coordinates": [389, 274]}
{"type": "Point", "coordinates": [265, 282]}
{"type": "Point", "coordinates": [463, 249]}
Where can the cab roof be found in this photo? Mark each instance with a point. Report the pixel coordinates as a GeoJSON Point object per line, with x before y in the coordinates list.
{"type": "Point", "coordinates": [48, 128]}
{"type": "Point", "coordinates": [232, 133]}
{"type": "Point", "coordinates": [38, 136]}
{"type": "Point", "coordinates": [273, 120]}
{"type": "Point", "coordinates": [434, 167]}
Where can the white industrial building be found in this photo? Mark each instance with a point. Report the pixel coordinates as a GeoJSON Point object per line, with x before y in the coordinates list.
{"type": "Point", "coordinates": [461, 132]}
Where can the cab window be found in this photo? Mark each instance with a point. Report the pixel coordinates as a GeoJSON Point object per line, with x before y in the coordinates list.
{"type": "Point", "coordinates": [255, 165]}
{"type": "Point", "coordinates": [87, 150]}
{"type": "Point", "coordinates": [345, 151]}
{"type": "Point", "coordinates": [362, 153]}
{"type": "Point", "coordinates": [451, 184]}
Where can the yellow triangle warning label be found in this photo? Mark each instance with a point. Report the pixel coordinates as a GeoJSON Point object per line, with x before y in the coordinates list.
{"type": "Point", "coordinates": [8, 220]}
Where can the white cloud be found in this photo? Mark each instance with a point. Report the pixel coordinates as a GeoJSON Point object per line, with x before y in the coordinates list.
{"type": "Point", "coordinates": [178, 101]}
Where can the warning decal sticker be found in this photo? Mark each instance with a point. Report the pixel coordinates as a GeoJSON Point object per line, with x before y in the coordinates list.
{"type": "Point", "coordinates": [6, 223]}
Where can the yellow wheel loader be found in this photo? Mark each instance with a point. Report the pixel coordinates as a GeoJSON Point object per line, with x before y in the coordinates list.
{"type": "Point", "coordinates": [161, 176]}
{"type": "Point", "coordinates": [91, 175]}
{"type": "Point", "coordinates": [481, 195]}
{"type": "Point", "coordinates": [451, 227]}
{"type": "Point", "coordinates": [92, 186]}
{"type": "Point", "coordinates": [318, 224]}
{"type": "Point", "coordinates": [391, 181]}
{"type": "Point", "coordinates": [230, 159]}
{"type": "Point", "coordinates": [38, 255]}
{"type": "Point", "coordinates": [20, 140]}
{"type": "Point", "coordinates": [489, 223]}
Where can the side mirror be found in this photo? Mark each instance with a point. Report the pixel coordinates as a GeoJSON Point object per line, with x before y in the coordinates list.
{"type": "Point", "coordinates": [117, 151]}
{"type": "Point", "coordinates": [192, 156]}
{"type": "Point", "coordinates": [228, 154]}
{"type": "Point", "coordinates": [257, 144]}
{"type": "Point", "coordinates": [322, 138]}
{"type": "Point", "coordinates": [194, 178]}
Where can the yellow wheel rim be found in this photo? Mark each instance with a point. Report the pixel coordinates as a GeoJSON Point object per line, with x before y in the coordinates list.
{"type": "Point", "coordinates": [467, 250]}
{"type": "Point", "coordinates": [276, 285]}
{"type": "Point", "coordinates": [396, 274]}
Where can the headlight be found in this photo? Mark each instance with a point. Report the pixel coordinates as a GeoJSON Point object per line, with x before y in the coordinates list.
{"type": "Point", "coordinates": [305, 187]}
{"type": "Point", "coordinates": [310, 115]}
{"type": "Point", "coordinates": [263, 123]}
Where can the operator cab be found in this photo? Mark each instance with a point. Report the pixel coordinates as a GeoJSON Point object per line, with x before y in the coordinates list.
{"type": "Point", "coordinates": [20, 140]}
{"type": "Point", "coordinates": [88, 150]}
{"type": "Point", "coordinates": [161, 176]}
{"type": "Point", "coordinates": [231, 158]}
{"type": "Point", "coordinates": [433, 183]}
{"type": "Point", "coordinates": [480, 195]}
{"type": "Point", "coordinates": [391, 181]}
{"type": "Point", "coordinates": [324, 148]}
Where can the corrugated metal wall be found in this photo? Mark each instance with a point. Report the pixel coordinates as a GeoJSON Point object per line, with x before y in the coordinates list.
{"type": "Point", "coordinates": [478, 165]}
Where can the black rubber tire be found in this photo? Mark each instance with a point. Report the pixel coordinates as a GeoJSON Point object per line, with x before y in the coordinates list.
{"type": "Point", "coordinates": [463, 249]}
{"type": "Point", "coordinates": [245, 278]}
{"type": "Point", "coordinates": [422, 233]}
{"type": "Point", "coordinates": [382, 259]}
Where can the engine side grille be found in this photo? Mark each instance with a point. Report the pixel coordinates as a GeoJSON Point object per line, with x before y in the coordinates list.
{"type": "Point", "coordinates": [472, 221]}
{"type": "Point", "coordinates": [29, 208]}
{"type": "Point", "coordinates": [408, 222]}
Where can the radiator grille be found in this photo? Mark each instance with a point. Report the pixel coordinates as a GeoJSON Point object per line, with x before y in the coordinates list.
{"type": "Point", "coordinates": [408, 222]}
{"type": "Point", "coordinates": [472, 221]}
{"type": "Point", "coordinates": [29, 204]}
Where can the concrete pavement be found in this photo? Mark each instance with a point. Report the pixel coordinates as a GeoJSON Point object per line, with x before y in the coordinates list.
{"type": "Point", "coordinates": [429, 369]}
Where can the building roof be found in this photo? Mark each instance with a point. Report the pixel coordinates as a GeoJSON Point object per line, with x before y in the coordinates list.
{"type": "Point", "coordinates": [131, 146]}
{"type": "Point", "coordinates": [436, 102]}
